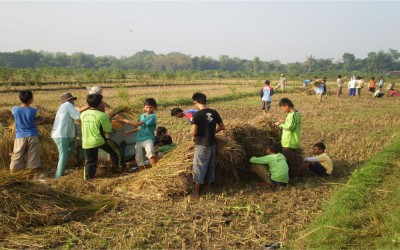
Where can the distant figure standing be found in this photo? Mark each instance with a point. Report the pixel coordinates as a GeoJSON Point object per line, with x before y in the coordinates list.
{"type": "Point", "coordinates": [282, 83]}
{"type": "Point", "coordinates": [340, 85]}
{"type": "Point", "coordinates": [381, 82]}
{"type": "Point", "coordinates": [352, 86]}
{"type": "Point", "coordinates": [359, 86]}
{"type": "Point", "coordinates": [372, 84]}
{"type": "Point", "coordinates": [266, 99]}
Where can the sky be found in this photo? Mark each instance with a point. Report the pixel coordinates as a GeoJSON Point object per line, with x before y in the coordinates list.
{"type": "Point", "coordinates": [287, 31]}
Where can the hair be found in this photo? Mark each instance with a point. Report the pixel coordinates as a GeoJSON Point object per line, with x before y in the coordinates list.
{"type": "Point", "coordinates": [320, 145]}
{"type": "Point", "coordinates": [25, 96]}
{"type": "Point", "coordinates": [373, 78]}
{"type": "Point", "coordinates": [286, 101]}
{"type": "Point", "coordinates": [316, 77]}
{"type": "Point", "coordinates": [339, 76]}
{"type": "Point", "coordinates": [267, 82]}
{"type": "Point", "coordinates": [199, 97]}
{"type": "Point", "coordinates": [325, 78]}
{"type": "Point", "coordinates": [166, 140]}
{"type": "Point", "coordinates": [161, 130]}
{"type": "Point", "coordinates": [176, 111]}
{"type": "Point", "coordinates": [274, 147]}
{"type": "Point", "coordinates": [150, 102]}
{"type": "Point", "coordinates": [94, 100]}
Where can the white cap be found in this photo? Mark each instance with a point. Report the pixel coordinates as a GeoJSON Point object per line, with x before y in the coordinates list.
{"type": "Point", "coordinates": [94, 90]}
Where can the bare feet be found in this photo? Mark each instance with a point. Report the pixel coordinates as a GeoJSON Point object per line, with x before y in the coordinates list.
{"type": "Point", "coordinates": [264, 184]}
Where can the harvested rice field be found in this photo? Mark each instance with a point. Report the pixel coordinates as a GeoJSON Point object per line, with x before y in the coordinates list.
{"type": "Point", "coordinates": [153, 209]}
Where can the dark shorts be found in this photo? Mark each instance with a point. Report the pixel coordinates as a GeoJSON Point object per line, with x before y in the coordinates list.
{"type": "Point", "coordinates": [359, 91]}
{"type": "Point", "coordinates": [372, 90]}
{"type": "Point", "coordinates": [266, 105]}
{"type": "Point", "coordinates": [277, 183]}
{"type": "Point", "coordinates": [204, 161]}
{"type": "Point", "coordinates": [318, 169]}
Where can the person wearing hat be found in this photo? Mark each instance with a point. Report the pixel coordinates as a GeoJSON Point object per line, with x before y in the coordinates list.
{"type": "Point", "coordinates": [97, 90]}
{"type": "Point", "coordinates": [282, 83]}
{"type": "Point", "coordinates": [63, 132]}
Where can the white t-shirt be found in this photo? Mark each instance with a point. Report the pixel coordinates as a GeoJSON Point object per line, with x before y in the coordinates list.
{"type": "Point", "coordinates": [64, 123]}
{"type": "Point", "coordinates": [267, 94]}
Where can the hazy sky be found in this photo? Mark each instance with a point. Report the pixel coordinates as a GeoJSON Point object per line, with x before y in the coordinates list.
{"type": "Point", "coordinates": [286, 31]}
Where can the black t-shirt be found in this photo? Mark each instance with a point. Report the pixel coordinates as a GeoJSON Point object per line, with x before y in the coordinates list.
{"type": "Point", "coordinates": [206, 120]}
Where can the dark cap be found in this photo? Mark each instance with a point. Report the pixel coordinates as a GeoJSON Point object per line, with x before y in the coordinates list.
{"type": "Point", "coordinates": [66, 97]}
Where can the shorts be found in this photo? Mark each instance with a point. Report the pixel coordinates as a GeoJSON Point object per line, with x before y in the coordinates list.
{"type": "Point", "coordinates": [204, 164]}
{"type": "Point", "coordinates": [266, 105]}
{"type": "Point", "coordinates": [318, 169]}
{"type": "Point", "coordinates": [26, 153]}
{"type": "Point", "coordinates": [372, 90]}
{"type": "Point", "coordinates": [352, 92]}
{"type": "Point", "coordinates": [339, 91]}
{"type": "Point", "coordinates": [358, 91]}
{"type": "Point", "coordinates": [148, 146]}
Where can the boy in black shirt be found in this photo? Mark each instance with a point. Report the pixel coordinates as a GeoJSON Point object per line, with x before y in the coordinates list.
{"type": "Point", "coordinates": [206, 123]}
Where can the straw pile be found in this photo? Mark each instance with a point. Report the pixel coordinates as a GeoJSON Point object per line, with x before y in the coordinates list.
{"type": "Point", "coordinates": [6, 117]}
{"type": "Point", "coordinates": [25, 205]}
{"type": "Point", "coordinates": [172, 175]}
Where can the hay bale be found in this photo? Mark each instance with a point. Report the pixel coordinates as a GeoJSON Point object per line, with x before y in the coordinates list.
{"type": "Point", "coordinates": [172, 175]}
{"type": "Point", "coordinates": [25, 205]}
{"type": "Point", "coordinates": [6, 117]}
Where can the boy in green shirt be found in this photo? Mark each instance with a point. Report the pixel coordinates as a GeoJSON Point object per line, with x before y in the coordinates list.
{"type": "Point", "coordinates": [94, 126]}
{"type": "Point", "coordinates": [291, 134]}
{"type": "Point", "coordinates": [145, 136]}
{"type": "Point", "coordinates": [277, 167]}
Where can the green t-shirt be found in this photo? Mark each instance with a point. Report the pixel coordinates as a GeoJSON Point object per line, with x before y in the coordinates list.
{"type": "Point", "coordinates": [94, 124]}
{"type": "Point", "coordinates": [146, 131]}
{"type": "Point", "coordinates": [278, 166]}
{"type": "Point", "coordinates": [166, 148]}
{"type": "Point", "coordinates": [291, 130]}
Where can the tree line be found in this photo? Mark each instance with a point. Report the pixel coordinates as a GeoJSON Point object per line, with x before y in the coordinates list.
{"type": "Point", "coordinates": [375, 62]}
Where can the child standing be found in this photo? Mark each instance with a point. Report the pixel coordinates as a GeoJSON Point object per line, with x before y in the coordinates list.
{"type": "Point", "coordinates": [291, 134]}
{"type": "Point", "coordinates": [321, 164]}
{"type": "Point", "coordinates": [266, 99]}
{"type": "Point", "coordinates": [372, 84]}
{"type": "Point", "coordinates": [340, 85]}
{"type": "Point", "coordinates": [179, 113]}
{"type": "Point", "coordinates": [145, 136]}
{"type": "Point", "coordinates": [26, 153]}
{"type": "Point", "coordinates": [206, 123]}
{"type": "Point", "coordinates": [63, 132]}
{"type": "Point", "coordinates": [95, 124]}
{"type": "Point", "coordinates": [319, 90]}
{"type": "Point", "coordinates": [277, 167]}
{"type": "Point", "coordinates": [352, 86]}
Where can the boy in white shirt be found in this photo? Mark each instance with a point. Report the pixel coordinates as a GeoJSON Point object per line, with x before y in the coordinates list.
{"type": "Point", "coordinates": [321, 164]}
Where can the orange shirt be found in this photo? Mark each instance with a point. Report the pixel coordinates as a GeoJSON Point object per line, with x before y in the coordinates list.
{"type": "Point", "coordinates": [372, 83]}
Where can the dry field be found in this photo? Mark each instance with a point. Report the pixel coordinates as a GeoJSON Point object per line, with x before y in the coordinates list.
{"type": "Point", "coordinates": [238, 214]}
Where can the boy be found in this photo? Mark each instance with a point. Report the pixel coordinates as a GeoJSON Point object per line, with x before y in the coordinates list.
{"type": "Point", "coordinates": [372, 84]}
{"type": "Point", "coordinates": [98, 91]}
{"type": "Point", "coordinates": [26, 153]}
{"type": "Point", "coordinates": [379, 93]}
{"type": "Point", "coordinates": [179, 113]}
{"type": "Point", "coordinates": [145, 136]}
{"type": "Point", "coordinates": [206, 123]}
{"type": "Point", "coordinates": [381, 82]}
{"type": "Point", "coordinates": [277, 167]}
{"type": "Point", "coordinates": [339, 81]}
{"type": "Point", "coordinates": [63, 132]}
{"type": "Point", "coordinates": [95, 124]}
{"type": "Point", "coordinates": [282, 83]}
{"type": "Point", "coordinates": [320, 163]}
{"type": "Point", "coordinates": [160, 132]}
{"type": "Point", "coordinates": [266, 98]}
{"type": "Point", "coordinates": [166, 145]}
{"type": "Point", "coordinates": [319, 90]}
{"type": "Point", "coordinates": [291, 134]}
{"type": "Point", "coordinates": [352, 86]}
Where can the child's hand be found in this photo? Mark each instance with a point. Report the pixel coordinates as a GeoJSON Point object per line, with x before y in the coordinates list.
{"type": "Point", "coordinates": [277, 123]}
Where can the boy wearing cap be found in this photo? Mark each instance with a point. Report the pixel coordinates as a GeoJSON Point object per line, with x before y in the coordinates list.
{"type": "Point", "coordinates": [26, 152]}
{"type": "Point", "coordinates": [63, 132]}
{"type": "Point", "coordinates": [95, 124]}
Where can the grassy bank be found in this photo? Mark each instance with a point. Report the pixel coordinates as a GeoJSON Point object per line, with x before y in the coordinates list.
{"type": "Point", "coordinates": [364, 212]}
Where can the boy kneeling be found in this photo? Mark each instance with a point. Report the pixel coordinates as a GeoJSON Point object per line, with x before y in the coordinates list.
{"type": "Point", "coordinates": [277, 167]}
{"type": "Point", "coordinates": [321, 164]}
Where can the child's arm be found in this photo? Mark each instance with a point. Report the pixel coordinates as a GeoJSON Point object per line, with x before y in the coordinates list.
{"type": "Point", "coordinates": [311, 159]}
{"type": "Point", "coordinates": [290, 122]}
{"type": "Point", "coordinates": [260, 160]}
{"type": "Point", "coordinates": [84, 108]}
{"type": "Point", "coordinates": [133, 123]}
{"type": "Point", "coordinates": [220, 127]}
{"type": "Point", "coordinates": [126, 133]}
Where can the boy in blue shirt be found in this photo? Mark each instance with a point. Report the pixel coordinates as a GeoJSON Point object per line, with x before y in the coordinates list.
{"type": "Point", "coordinates": [26, 153]}
{"type": "Point", "coordinates": [179, 113]}
{"type": "Point", "coordinates": [147, 123]}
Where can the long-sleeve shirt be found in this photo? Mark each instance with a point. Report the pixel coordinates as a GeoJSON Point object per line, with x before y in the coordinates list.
{"type": "Point", "coordinates": [63, 126]}
{"type": "Point", "coordinates": [278, 167]}
{"type": "Point", "coordinates": [325, 161]}
{"type": "Point", "coordinates": [291, 130]}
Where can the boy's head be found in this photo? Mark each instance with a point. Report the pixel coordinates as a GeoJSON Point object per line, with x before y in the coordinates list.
{"type": "Point", "coordinates": [94, 100]}
{"type": "Point", "coordinates": [267, 82]}
{"type": "Point", "coordinates": [282, 75]}
{"type": "Point", "coordinates": [149, 105]}
{"type": "Point", "coordinates": [286, 105]}
{"type": "Point", "coordinates": [26, 96]}
{"type": "Point", "coordinates": [161, 131]}
{"type": "Point", "coordinates": [339, 76]}
{"type": "Point", "coordinates": [199, 98]}
{"type": "Point", "coordinates": [372, 78]}
{"type": "Point", "coordinates": [177, 112]}
{"type": "Point", "coordinates": [273, 148]}
{"type": "Point", "coordinates": [318, 148]}
{"type": "Point", "coordinates": [166, 140]}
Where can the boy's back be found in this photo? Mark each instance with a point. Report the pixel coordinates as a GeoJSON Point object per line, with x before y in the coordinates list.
{"type": "Point", "coordinates": [278, 166]}
{"type": "Point", "coordinates": [25, 121]}
{"type": "Point", "coordinates": [206, 120]}
{"type": "Point", "coordinates": [94, 124]}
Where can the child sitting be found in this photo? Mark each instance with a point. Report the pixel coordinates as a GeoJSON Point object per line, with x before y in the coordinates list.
{"type": "Point", "coordinates": [166, 145]}
{"type": "Point", "coordinates": [160, 132]}
{"type": "Point", "coordinates": [379, 93]}
{"type": "Point", "coordinates": [179, 113]}
{"type": "Point", "coordinates": [320, 163]}
{"type": "Point", "coordinates": [394, 93]}
{"type": "Point", "coordinates": [278, 167]}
